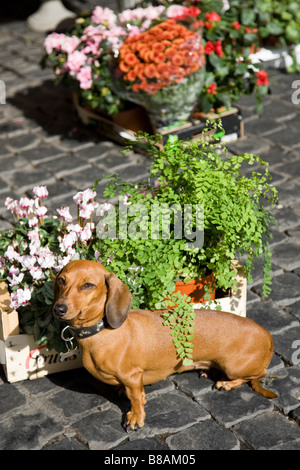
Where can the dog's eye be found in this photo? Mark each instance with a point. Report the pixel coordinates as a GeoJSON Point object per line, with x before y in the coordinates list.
{"type": "Point", "coordinates": [61, 282]}
{"type": "Point", "coordinates": [87, 285]}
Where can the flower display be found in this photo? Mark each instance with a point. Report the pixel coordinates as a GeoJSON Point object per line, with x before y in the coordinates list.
{"type": "Point", "coordinates": [82, 59]}
{"type": "Point", "coordinates": [33, 253]}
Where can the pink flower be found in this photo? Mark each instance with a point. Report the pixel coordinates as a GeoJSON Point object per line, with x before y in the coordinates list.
{"type": "Point", "coordinates": [175, 10]}
{"type": "Point", "coordinates": [53, 41]}
{"type": "Point", "coordinates": [69, 44]}
{"type": "Point", "coordinates": [75, 61]}
{"type": "Point", "coordinates": [85, 77]}
{"type": "Point", "coordinates": [64, 212]}
{"type": "Point", "coordinates": [40, 191]}
{"type": "Point", "coordinates": [104, 16]}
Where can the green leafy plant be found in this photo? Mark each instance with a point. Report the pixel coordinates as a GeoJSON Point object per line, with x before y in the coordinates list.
{"type": "Point", "coordinates": [277, 21]}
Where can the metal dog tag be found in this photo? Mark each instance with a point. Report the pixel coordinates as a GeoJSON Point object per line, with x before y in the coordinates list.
{"type": "Point", "coordinates": [63, 356]}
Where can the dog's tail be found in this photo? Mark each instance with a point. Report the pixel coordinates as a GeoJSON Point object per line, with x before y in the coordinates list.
{"type": "Point", "coordinates": [262, 391]}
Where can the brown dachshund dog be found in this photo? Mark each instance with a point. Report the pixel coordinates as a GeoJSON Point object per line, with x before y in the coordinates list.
{"type": "Point", "coordinates": [133, 348]}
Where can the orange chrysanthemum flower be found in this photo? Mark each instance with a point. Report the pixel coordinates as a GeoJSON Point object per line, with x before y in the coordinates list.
{"type": "Point", "coordinates": [163, 55]}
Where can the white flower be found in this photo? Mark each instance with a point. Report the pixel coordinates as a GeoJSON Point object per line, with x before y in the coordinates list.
{"type": "Point", "coordinates": [13, 270]}
{"type": "Point", "coordinates": [27, 261]}
{"type": "Point", "coordinates": [40, 211]}
{"type": "Point", "coordinates": [125, 199]}
{"type": "Point", "coordinates": [40, 191]}
{"type": "Point", "coordinates": [11, 254]}
{"type": "Point", "coordinates": [20, 298]}
{"type": "Point", "coordinates": [68, 241]}
{"type": "Point", "coordinates": [15, 280]}
{"type": "Point", "coordinates": [33, 222]}
{"type": "Point", "coordinates": [46, 258]}
{"type": "Point", "coordinates": [36, 273]}
{"type": "Point", "coordinates": [102, 208]}
{"type": "Point", "coordinates": [87, 232]}
{"type": "Point", "coordinates": [84, 196]}
{"type": "Point", "coordinates": [74, 228]}
{"type": "Point", "coordinates": [64, 212]}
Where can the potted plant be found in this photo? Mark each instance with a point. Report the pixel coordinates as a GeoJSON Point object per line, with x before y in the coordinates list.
{"type": "Point", "coordinates": [212, 214]}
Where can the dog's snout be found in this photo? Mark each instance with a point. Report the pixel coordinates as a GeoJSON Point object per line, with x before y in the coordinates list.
{"type": "Point", "coordinates": [60, 310]}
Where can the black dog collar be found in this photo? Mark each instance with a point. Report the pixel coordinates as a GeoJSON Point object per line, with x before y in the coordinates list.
{"type": "Point", "coordinates": [87, 331]}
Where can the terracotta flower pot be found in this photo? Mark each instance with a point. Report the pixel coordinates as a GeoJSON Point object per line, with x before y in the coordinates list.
{"type": "Point", "coordinates": [195, 288]}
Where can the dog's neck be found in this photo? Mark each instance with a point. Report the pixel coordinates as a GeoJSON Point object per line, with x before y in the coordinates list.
{"type": "Point", "coordinates": [87, 331]}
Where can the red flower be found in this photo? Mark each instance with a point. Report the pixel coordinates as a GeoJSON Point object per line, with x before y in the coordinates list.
{"type": "Point", "coordinates": [209, 47]}
{"type": "Point", "coordinates": [236, 25]}
{"type": "Point", "coordinates": [218, 48]}
{"type": "Point", "coordinates": [212, 16]}
{"type": "Point", "coordinates": [262, 78]}
{"type": "Point", "coordinates": [212, 89]}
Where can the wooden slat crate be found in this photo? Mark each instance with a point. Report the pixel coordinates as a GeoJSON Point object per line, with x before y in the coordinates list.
{"type": "Point", "coordinates": [20, 356]}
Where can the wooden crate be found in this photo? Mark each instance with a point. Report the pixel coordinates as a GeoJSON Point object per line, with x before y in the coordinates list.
{"type": "Point", "coordinates": [137, 119]}
{"type": "Point", "coordinates": [20, 356]}
{"type": "Point", "coordinates": [234, 302]}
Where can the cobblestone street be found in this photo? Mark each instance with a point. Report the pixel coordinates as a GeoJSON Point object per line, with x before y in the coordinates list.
{"type": "Point", "coordinates": [44, 143]}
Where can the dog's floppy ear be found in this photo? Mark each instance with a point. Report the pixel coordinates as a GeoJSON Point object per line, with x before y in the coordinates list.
{"type": "Point", "coordinates": [118, 301]}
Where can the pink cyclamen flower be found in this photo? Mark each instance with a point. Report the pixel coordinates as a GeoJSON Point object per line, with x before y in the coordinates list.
{"type": "Point", "coordinates": [85, 77]}
{"type": "Point", "coordinates": [20, 298]}
{"type": "Point", "coordinates": [40, 191]}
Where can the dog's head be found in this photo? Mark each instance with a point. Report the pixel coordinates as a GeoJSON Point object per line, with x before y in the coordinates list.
{"type": "Point", "coordinates": [84, 288]}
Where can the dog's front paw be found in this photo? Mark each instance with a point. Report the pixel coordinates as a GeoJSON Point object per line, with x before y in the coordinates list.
{"type": "Point", "coordinates": [133, 422]}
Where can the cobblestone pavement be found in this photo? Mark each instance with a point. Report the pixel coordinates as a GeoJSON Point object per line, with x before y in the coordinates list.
{"type": "Point", "coordinates": [43, 142]}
